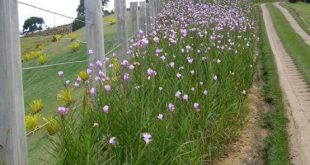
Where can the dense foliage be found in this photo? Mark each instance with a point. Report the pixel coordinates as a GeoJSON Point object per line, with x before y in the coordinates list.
{"type": "Point", "coordinates": [33, 24]}
{"type": "Point", "coordinates": [179, 98]}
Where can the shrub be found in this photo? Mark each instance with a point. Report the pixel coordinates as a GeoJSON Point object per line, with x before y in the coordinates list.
{"type": "Point", "coordinates": [52, 125]}
{"type": "Point", "coordinates": [42, 59]}
{"type": "Point", "coordinates": [112, 21]}
{"type": "Point", "coordinates": [27, 57]}
{"type": "Point", "coordinates": [66, 96]}
{"type": "Point", "coordinates": [75, 46]}
{"type": "Point", "coordinates": [72, 36]}
{"type": "Point", "coordinates": [83, 75]}
{"type": "Point", "coordinates": [56, 38]}
{"type": "Point", "coordinates": [36, 106]}
{"type": "Point", "coordinates": [32, 122]}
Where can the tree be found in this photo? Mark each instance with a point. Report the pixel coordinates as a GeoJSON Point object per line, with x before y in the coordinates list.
{"type": "Point", "coordinates": [33, 24]}
{"type": "Point", "coordinates": [77, 24]}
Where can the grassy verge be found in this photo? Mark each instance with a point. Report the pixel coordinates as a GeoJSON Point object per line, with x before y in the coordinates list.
{"type": "Point", "coordinates": [276, 150]}
{"type": "Point", "coordinates": [293, 43]}
{"type": "Point", "coordinates": [301, 12]}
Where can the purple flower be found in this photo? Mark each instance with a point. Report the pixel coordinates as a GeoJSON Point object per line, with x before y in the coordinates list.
{"type": "Point", "coordinates": [156, 40]}
{"type": "Point", "coordinates": [99, 64]}
{"type": "Point", "coordinates": [67, 82]}
{"type": "Point", "coordinates": [105, 109]}
{"type": "Point", "coordinates": [190, 61]}
{"type": "Point", "coordinates": [92, 91]}
{"type": "Point", "coordinates": [60, 74]}
{"type": "Point", "coordinates": [151, 72]}
{"type": "Point", "coordinates": [107, 88]}
{"type": "Point", "coordinates": [215, 78]}
{"type": "Point", "coordinates": [183, 32]}
{"type": "Point", "coordinates": [205, 92]}
{"type": "Point", "coordinates": [91, 66]}
{"type": "Point", "coordinates": [196, 107]}
{"type": "Point", "coordinates": [160, 117]}
{"type": "Point", "coordinates": [147, 137]}
{"type": "Point", "coordinates": [89, 71]}
{"type": "Point", "coordinates": [179, 76]}
{"type": "Point", "coordinates": [125, 63]}
{"type": "Point", "coordinates": [77, 84]}
{"type": "Point", "coordinates": [90, 52]}
{"type": "Point", "coordinates": [185, 97]}
{"type": "Point", "coordinates": [171, 107]}
{"type": "Point", "coordinates": [178, 94]}
{"type": "Point", "coordinates": [112, 141]}
{"type": "Point", "coordinates": [62, 110]}
{"type": "Point", "coordinates": [101, 74]}
{"type": "Point", "coordinates": [131, 67]}
{"type": "Point", "coordinates": [126, 77]}
{"type": "Point", "coordinates": [144, 41]}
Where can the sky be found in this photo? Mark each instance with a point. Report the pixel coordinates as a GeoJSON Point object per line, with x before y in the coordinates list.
{"type": "Point", "coordinates": [65, 7]}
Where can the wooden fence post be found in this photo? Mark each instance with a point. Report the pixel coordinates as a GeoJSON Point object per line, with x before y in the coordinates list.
{"type": "Point", "coordinates": [13, 146]}
{"type": "Point", "coordinates": [148, 18]}
{"type": "Point", "coordinates": [143, 16]}
{"type": "Point", "coordinates": [94, 30]}
{"type": "Point", "coordinates": [134, 18]}
{"type": "Point", "coordinates": [122, 36]}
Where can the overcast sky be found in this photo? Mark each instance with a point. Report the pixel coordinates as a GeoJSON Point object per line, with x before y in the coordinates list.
{"type": "Point", "coordinates": [66, 7]}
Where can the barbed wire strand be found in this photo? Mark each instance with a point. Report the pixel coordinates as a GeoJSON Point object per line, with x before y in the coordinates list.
{"type": "Point", "coordinates": [53, 12]}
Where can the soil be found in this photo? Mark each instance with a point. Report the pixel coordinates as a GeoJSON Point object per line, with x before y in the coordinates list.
{"type": "Point", "coordinates": [247, 149]}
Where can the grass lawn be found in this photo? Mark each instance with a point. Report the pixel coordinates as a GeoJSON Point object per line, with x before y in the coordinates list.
{"type": "Point", "coordinates": [293, 43]}
{"type": "Point", "coordinates": [276, 150]}
{"type": "Point", "coordinates": [44, 84]}
{"type": "Point", "coordinates": [301, 12]}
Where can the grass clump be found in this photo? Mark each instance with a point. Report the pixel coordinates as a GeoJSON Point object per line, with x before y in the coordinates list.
{"type": "Point", "coordinates": [276, 150]}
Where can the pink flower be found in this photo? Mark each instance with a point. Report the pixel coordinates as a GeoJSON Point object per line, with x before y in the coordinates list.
{"type": "Point", "coordinates": [205, 92]}
{"type": "Point", "coordinates": [62, 110]}
{"type": "Point", "coordinates": [151, 72]}
{"type": "Point", "coordinates": [112, 141]}
{"type": "Point", "coordinates": [156, 40]}
{"type": "Point", "coordinates": [126, 77]}
{"type": "Point", "coordinates": [67, 82]}
{"type": "Point", "coordinates": [89, 71]}
{"type": "Point", "coordinates": [190, 61]}
{"type": "Point", "coordinates": [178, 94]}
{"type": "Point", "coordinates": [179, 76]}
{"type": "Point", "coordinates": [99, 64]}
{"type": "Point", "coordinates": [172, 65]}
{"type": "Point", "coordinates": [185, 97]}
{"type": "Point", "coordinates": [107, 88]}
{"type": "Point", "coordinates": [95, 125]}
{"type": "Point", "coordinates": [90, 52]}
{"type": "Point", "coordinates": [215, 78]}
{"type": "Point", "coordinates": [105, 109]}
{"type": "Point", "coordinates": [125, 63]}
{"type": "Point", "coordinates": [131, 67]}
{"type": "Point", "coordinates": [101, 74]}
{"type": "Point", "coordinates": [192, 72]}
{"type": "Point", "coordinates": [60, 74]}
{"type": "Point", "coordinates": [196, 107]}
{"type": "Point", "coordinates": [92, 91]}
{"type": "Point", "coordinates": [147, 137]}
{"type": "Point", "coordinates": [183, 32]}
{"type": "Point", "coordinates": [160, 117]}
{"type": "Point", "coordinates": [171, 107]}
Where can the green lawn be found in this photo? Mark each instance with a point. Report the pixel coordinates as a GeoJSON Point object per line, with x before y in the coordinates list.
{"type": "Point", "coordinates": [293, 43]}
{"type": "Point", "coordinates": [44, 84]}
{"type": "Point", "coordinates": [301, 12]}
{"type": "Point", "coordinates": [276, 150]}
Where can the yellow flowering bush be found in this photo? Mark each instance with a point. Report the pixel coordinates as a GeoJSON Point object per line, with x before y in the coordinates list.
{"type": "Point", "coordinates": [52, 125]}
{"type": "Point", "coordinates": [75, 46]}
{"type": "Point", "coordinates": [56, 38]}
{"type": "Point", "coordinates": [42, 59]}
{"type": "Point", "coordinates": [72, 36]}
{"type": "Point", "coordinates": [112, 21]}
{"type": "Point", "coordinates": [36, 106]}
{"type": "Point", "coordinates": [83, 75]}
{"type": "Point", "coordinates": [32, 122]}
{"type": "Point", "coordinates": [66, 96]}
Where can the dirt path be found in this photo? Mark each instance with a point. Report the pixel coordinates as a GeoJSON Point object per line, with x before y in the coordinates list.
{"type": "Point", "coordinates": [294, 23]}
{"type": "Point", "coordinates": [247, 149]}
{"type": "Point", "coordinates": [296, 93]}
